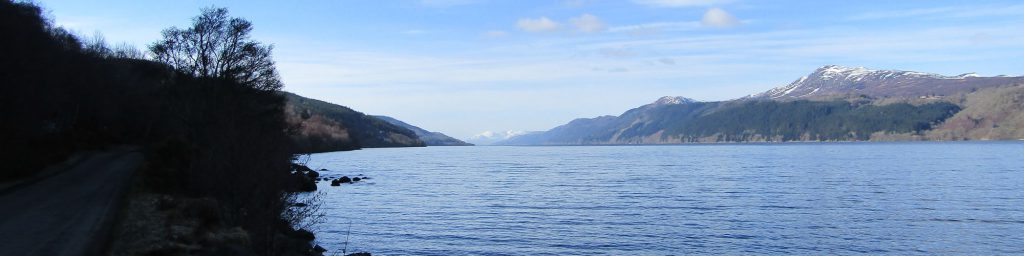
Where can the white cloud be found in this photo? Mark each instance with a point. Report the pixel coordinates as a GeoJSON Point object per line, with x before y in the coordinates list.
{"type": "Point", "coordinates": [680, 3]}
{"type": "Point", "coordinates": [542, 24]}
{"type": "Point", "coordinates": [588, 23]}
{"type": "Point", "coordinates": [718, 18]}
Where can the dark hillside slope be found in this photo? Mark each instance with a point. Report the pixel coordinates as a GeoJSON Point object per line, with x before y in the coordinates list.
{"type": "Point", "coordinates": [325, 126]}
{"type": "Point", "coordinates": [428, 137]}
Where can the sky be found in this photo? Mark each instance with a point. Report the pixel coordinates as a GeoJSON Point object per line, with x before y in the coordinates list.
{"type": "Point", "coordinates": [462, 67]}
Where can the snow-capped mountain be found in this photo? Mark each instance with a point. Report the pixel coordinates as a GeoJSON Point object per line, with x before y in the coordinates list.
{"type": "Point", "coordinates": [490, 137]}
{"type": "Point", "coordinates": [671, 100]}
{"type": "Point", "coordinates": [837, 81]}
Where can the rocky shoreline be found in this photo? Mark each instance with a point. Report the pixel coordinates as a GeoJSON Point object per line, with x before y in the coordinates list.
{"type": "Point", "coordinates": [304, 180]}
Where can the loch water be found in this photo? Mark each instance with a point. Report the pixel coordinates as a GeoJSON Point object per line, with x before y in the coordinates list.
{"type": "Point", "coordinates": [791, 198]}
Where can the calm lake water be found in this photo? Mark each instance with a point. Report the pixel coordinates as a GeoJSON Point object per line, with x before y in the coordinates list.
{"type": "Point", "coordinates": [823, 198]}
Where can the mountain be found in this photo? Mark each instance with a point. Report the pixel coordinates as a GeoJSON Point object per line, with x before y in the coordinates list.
{"type": "Point", "coordinates": [833, 103]}
{"type": "Point", "coordinates": [632, 127]}
{"type": "Point", "coordinates": [489, 137]}
{"type": "Point", "coordinates": [836, 81]}
{"type": "Point", "coordinates": [322, 126]}
{"type": "Point", "coordinates": [428, 137]}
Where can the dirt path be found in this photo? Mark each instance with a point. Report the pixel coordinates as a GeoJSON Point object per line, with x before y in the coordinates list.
{"type": "Point", "coordinates": [69, 213]}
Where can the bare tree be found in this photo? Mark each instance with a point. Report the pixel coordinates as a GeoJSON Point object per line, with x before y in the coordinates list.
{"type": "Point", "coordinates": [219, 46]}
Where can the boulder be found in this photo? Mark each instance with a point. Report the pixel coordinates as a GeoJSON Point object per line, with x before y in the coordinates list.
{"type": "Point", "coordinates": [313, 174]}
{"type": "Point", "coordinates": [308, 185]}
{"type": "Point", "coordinates": [304, 235]}
{"type": "Point", "coordinates": [345, 179]}
{"type": "Point", "coordinates": [319, 250]}
{"type": "Point", "coordinates": [355, 179]}
{"type": "Point", "coordinates": [300, 168]}
{"type": "Point", "coordinates": [301, 183]}
{"type": "Point", "coordinates": [335, 183]}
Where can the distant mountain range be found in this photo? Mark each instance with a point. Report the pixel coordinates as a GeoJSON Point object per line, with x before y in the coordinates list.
{"type": "Point", "coordinates": [490, 137]}
{"type": "Point", "coordinates": [833, 103]}
{"type": "Point", "coordinates": [428, 137]}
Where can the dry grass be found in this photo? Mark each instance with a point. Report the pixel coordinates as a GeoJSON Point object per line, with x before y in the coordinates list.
{"type": "Point", "coordinates": [989, 114]}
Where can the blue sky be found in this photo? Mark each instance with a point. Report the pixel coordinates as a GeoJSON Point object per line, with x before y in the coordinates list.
{"type": "Point", "coordinates": [466, 66]}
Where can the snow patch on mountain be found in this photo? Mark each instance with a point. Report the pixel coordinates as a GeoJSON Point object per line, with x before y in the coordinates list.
{"type": "Point", "coordinates": [490, 137]}
{"type": "Point", "coordinates": [835, 79]}
{"type": "Point", "coordinates": [670, 100]}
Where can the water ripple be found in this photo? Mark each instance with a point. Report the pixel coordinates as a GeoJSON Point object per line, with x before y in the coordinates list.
{"type": "Point", "coordinates": [872, 198]}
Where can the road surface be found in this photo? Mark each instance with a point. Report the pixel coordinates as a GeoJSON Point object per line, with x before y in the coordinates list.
{"type": "Point", "coordinates": [69, 213]}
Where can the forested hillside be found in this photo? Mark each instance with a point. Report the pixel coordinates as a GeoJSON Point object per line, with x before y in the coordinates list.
{"type": "Point", "coordinates": [808, 121]}
{"type": "Point", "coordinates": [745, 121]}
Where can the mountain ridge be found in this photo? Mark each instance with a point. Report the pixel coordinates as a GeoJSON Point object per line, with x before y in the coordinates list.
{"type": "Point", "coordinates": [322, 126]}
{"type": "Point", "coordinates": [428, 137]}
{"type": "Point", "coordinates": [834, 81]}
{"type": "Point", "coordinates": [491, 137]}
{"type": "Point", "coordinates": [832, 103]}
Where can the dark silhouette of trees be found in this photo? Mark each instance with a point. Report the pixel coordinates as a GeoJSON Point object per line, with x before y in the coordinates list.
{"type": "Point", "coordinates": [218, 46]}
{"type": "Point", "coordinates": [212, 128]}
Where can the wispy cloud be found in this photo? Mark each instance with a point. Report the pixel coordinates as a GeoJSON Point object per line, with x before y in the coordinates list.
{"type": "Point", "coordinates": [718, 18]}
{"type": "Point", "coordinates": [943, 12]}
{"type": "Point", "coordinates": [680, 3]}
{"type": "Point", "coordinates": [542, 24]}
{"type": "Point", "coordinates": [588, 23]}
{"type": "Point", "coordinates": [617, 52]}
{"type": "Point", "coordinates": [656, 27]}
{"type": "Point", "coordinates": [901, 13]}
{"type": "Point", "coordinates": [715, 54]}
{"type": "Point", "coordinates": [712, 18]}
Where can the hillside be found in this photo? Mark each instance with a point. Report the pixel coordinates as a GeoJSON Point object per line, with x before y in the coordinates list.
{"type": "Point", "coordinates": [428, 137]}
{"type": "Point", "coordinates": [991, 114]}
{"type": "Point", "coordinates": [831, 104]}
{"type": "Point", "coordinates": [322, 126]}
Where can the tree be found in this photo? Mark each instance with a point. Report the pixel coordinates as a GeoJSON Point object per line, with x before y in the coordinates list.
{"type": "Point", "coordinates": [218, 46]}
